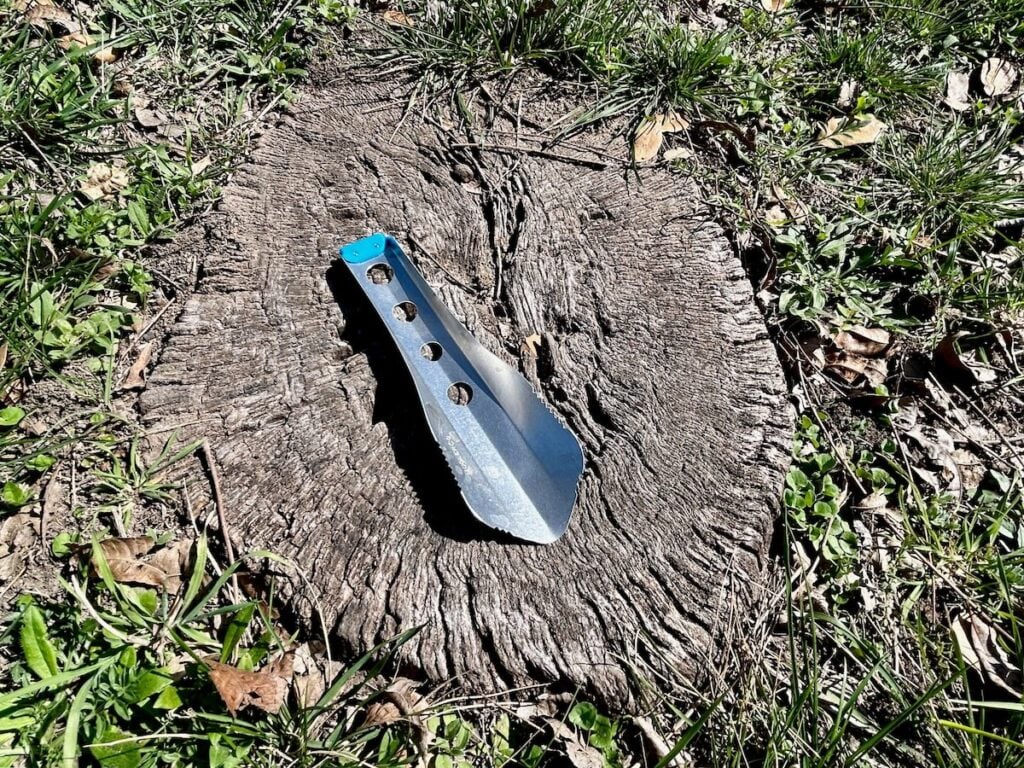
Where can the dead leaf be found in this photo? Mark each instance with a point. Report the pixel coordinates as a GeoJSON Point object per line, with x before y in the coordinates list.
{"type": "Point", "coordinates": [848, 132]}
{"type": "Point", "coordinates": [199, 166]}
{"type": "Point", "coordinates": [971, 468]}
{"type": "Point", "coordinates": [531, 345]}
{"type": "Point", "coordinates": [17, 540]}
{"type": "Point", "coordinates": [797, 209]}
{"type": "Point", "coordinates": [42, 13]}
{"type": "Point", "coordinates": [647, 143]}
{"type": "Point", "coordinates": [855, 370]}
{"type": "Point", "coordinates": [651, 132]}
{"type": "Point", "coordinates": [937, 446]}
{"type": "Point", "coordinates": [74, 40]}
{"type": "Point", "coordinates": [381, 713]}
{"type": "Point", "coordinates": [958, 97]}
{"type": "Point", "coordinates": [580, 755]}
{"type": "Point", "coordinates": [266, 689]}
{"type": "Point", "coordinates": [399, 700]}
{"type": "Point", "coordinates": [128, 565]}
{"type": "Point", "coordinates": [150, 118]}
{"type": "Point", "coordinates": [103, 181]}
{"type": "Point", "coordinates": [314, 673]}
{"type": "Point", "coordinates": [105, 56]}
{"type": "Point", "coordinates": [172, 562]}
{"type": "Point", "coordinates": [997, 77]}
{"type": "Point", "coordinates": [398, 19]}
{"type": "Point", "coordinates": [980, 649]}
{"type": "Point", "coordinates": [950, 354]}
{"type": "Point", "coordinates": [677, 153]}
{"type": "Point", "coordinates": [3, 355]}
{"type": "Point", "coordinates": [866, 342]}
{"type": "Point", "coordinates": [776, 217]}
{"type": "Point", "coordinates": [124, 548]}
{"type": "Point", "coordinates": [136, 376]}
{"type": "Point", "coordinates": [774, 6]}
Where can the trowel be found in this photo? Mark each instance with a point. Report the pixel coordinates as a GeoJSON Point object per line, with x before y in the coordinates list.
{"type": "Point", "coordinates": [516, 464]}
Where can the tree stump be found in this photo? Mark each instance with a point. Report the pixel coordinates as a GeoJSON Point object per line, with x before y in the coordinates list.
{"type": "Point", "coordinates": [651, 349]}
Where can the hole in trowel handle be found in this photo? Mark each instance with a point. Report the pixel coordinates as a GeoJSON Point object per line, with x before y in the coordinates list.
{"type": "Point", "coordinates": [460, 393]}
{"type": "Point", "coordinates": [380, 274]}
{"type": "Point", "coordinates": [405, 311]}
{"type": "Point", "coordinates": [431, 351]}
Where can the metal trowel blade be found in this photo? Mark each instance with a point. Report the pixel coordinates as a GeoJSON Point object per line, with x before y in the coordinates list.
{"type": "Point", "coordinates": [516, 464]}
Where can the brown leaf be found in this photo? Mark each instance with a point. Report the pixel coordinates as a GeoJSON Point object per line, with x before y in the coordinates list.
{"type": "Point", "coordinates": [74, 40]}
{"type": "Point", "coordinates": [165, 568]}
{"type": "Point", "coordinates": [677, 153]}
{"type": "Point", "coordinates": [172, 563]}
{"type": "Point", "coordinates": [981, 651]}
{"type": "Point", "coordinates": [3, 355]}
{"type": "Point", "coordinates": [580, 755]}
{"type": "Point", "coordinates": [314, 673]}
{"type": "Point", "coordinates": [126, 548]}
{"type": "Point", "coordinates": [136, 376]}
{"type": "Point", "coordinates": [150, 118]}
{"type": "Point", "coordinates": [866, 342]}
{"type": "Point", "coordinates": [950, 355]}
{"type": "Point", "coordinates": [399, 700]}
{"type": "Point", "coordinates": [531, 345]}
{"type": "Point", "coordinates": [398, 19]}
{"type": "Point", "coordinates": [650, 134]}
{"type": "Point", "coordinates": [847, 132]}
{"type": "Point", "coordinates": [856, 370]}
{"type": "Point", "coordinates": [381, 713]}
{"type": "Point", "coordinates": [105, 56]}
{"type": "Point", "coordinates": [937, 446]}
{"type": "Point", "coordinates": [671, 122]}
{"type": "Point", "coordinates": [997, 77]}
{"type": "Point", "coordinates": [103, 181]}
{"type": "Point", "coordinates": [42, 13]}
{"type": "Point", "coordinates": [774, 6]}
{"type": "Point", "coordinates": [958, 97]}
{"type": "Point", "coordinates": [646, 143]}
{"type": "Point", "coordinates": [266, 689]}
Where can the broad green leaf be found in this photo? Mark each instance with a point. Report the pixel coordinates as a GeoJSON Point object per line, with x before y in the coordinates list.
{"type": "Point", "coordinates": [15, 494]}
{"type": "Point", "coordinates": [61, 545]}
{"type": "Point", "coordinates": [40, 462]}
{"type": "Point", "coordinates": [11, 415]}
{"type": "Point", "coordinates": [117, 749]}
{"type": "Point", "coordinates": [40, 655]}
{"type": "Point", "coordinates": [583, 715]}
{"type": "Point", "coordinates": [150, 682]}
{"type": "Point", "coordinates": [168, 699]}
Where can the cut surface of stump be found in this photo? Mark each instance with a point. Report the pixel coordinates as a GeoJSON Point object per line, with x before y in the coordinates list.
{"type": "Point", "coordinates": [619, 300]}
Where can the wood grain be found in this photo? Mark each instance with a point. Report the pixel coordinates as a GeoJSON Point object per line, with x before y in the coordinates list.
{"type": "Point", "coordinates": [654, 354]}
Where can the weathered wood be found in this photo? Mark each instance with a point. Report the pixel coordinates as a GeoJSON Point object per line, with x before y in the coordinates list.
{"type": "Point", "coordinates": [654, 354]}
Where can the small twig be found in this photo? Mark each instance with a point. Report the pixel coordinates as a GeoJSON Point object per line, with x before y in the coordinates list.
{"type": "Point", "coordinates": [149, 326]}
{"type": "Point", "coordinates": [597, 165]}
{"type": "Point", "coordinates": [433, 259]}
{"type": "Point", "coordinates": [218, 500]}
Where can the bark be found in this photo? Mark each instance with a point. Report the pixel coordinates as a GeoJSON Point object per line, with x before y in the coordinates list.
{"type": "Point", "coordinates": [654, 354]}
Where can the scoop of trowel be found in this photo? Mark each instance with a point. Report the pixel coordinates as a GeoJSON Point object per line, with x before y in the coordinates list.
{"type": "Point", "coordinates": [516, 464]}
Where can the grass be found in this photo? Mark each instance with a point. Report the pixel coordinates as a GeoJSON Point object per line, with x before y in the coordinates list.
{"type": "Point", "coordinates": [897, 638]}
